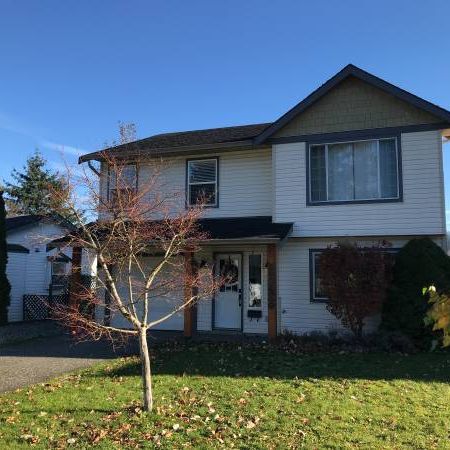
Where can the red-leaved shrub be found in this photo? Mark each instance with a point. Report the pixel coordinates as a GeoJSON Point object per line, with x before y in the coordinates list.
{"type": "Point", "coordinates": [355, 279]}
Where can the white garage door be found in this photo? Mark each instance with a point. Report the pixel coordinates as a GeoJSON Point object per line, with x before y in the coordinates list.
{"type": "Point", "coordinates": [159, 306]}
{"type": "Point", "coordinates": [16, 271]}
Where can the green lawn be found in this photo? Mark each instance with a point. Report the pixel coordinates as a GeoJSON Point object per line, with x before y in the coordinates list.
{"type": "Point", "coordinates": [216, 396]}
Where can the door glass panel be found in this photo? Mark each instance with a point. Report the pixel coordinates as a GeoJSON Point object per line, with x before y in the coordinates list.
{"type": "Point", "coordinates": [229, 271]}
{"type": "Point", "coordinates": [255, 281]}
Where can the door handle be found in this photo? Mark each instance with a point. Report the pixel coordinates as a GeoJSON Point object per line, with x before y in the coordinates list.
{"type": "Point", "coordinates": [240, 297]}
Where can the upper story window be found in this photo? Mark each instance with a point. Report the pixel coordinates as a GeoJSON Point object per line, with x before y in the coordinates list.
{"type": "Point", "coordinates": [202, 181]}
{"type": "Point", "coordinates": [354, 171]}
{"type": "Point", "coordinates": [123, 178]}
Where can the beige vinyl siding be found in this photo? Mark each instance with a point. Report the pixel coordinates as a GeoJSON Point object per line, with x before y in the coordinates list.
{"type": "Point", "coordinates": [245, 182]}
{"type": "Point", "coordinates": [297, 313]}
{"type": "Point", "coordinates": [421, 211]}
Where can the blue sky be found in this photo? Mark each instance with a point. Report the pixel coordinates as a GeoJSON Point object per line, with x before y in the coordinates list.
{"type": "Point", "coordinates": [69, 71]}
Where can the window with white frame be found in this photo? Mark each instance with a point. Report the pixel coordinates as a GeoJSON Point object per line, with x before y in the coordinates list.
{"type": "Point", "coordinates": [354, 171]}
{"type": "Point", "coordinates": [202, 182]}
{"type": "Point", "coordinates": [255, 281]}
{"type": "Point", "coordinates": [123, 178]}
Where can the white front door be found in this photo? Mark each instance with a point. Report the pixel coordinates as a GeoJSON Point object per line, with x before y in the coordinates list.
{"type": "Point", "coordinates": [228, 300]}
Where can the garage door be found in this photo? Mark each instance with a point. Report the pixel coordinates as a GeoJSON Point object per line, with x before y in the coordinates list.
{"type": "Point", "coordinates": [159, 306]}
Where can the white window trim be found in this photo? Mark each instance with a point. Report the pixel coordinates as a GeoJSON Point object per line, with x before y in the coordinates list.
{"type": "Point", "coordinates": [216, 183]}
{"type": "Point", "coordinates": [376, 199]}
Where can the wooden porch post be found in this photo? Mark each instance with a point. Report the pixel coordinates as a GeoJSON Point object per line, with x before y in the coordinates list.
{"type": "Point", "coordinates": [272, 290]}
{"type": "Point", "coordinates": [189, 311]}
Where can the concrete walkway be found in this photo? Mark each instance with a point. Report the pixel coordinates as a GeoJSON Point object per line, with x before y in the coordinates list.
{"type": "Point", "coordinates": [39, 359]}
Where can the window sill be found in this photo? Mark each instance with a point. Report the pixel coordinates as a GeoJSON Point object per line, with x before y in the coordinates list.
{"type": "Point", "coordinates": [204, 206]}
{"type": "Point", "coordinates": [318, 300]}
{"type": "Point", "coordinates": [355, 202]}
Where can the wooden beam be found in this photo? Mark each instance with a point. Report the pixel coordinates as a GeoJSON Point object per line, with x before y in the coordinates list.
{"type": "Point", "coordinates": [272, 290]}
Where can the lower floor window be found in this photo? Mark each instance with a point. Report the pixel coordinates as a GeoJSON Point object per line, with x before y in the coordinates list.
{"type": "Point", "coordinates": [59, 276]}
{"type": "Point", "coordinates": [255, 280]}
{"type": "Point", "coordinates": [317, 292]}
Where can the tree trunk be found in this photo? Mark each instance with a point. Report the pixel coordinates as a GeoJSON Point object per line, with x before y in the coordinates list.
{"type": "Point", "coordinates": [146, 372]}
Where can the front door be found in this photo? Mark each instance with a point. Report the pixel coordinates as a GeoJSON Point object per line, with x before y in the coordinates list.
{"type": "Point", "coordinates": [228, 300]}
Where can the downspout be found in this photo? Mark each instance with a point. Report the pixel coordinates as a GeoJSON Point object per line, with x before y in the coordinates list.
{"type": "Point", "coordinates": [93, 169]}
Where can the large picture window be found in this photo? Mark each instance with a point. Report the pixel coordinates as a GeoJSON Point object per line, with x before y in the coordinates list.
{"type": "Point", "coordinates": [354, 171]}
{"type": "Point", "coordinates": [202, 182]}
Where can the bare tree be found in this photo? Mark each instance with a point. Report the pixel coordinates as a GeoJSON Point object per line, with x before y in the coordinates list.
{"type": "Point", "coordinates": [146, 243]}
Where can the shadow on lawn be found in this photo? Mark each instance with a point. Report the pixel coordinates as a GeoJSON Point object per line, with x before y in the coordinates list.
{"type": "Point", "coordinates": [210, 361]}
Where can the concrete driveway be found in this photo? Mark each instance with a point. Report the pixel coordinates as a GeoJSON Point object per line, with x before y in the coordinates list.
{"type": "Point", "coordinates": [39, 359]}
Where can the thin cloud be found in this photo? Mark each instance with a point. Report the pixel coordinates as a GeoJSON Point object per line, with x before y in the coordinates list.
{"type": "Point", "coordinates": [62, 148]}
{"type": "Point", "coordinates": [11, 125]}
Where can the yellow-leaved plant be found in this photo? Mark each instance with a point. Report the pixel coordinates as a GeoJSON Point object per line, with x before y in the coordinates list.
{"type": "Point", "coordinates": [439, 313]}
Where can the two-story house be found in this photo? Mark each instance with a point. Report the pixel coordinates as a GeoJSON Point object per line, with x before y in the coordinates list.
{"type": "Point", "coordinates": [358, 158]}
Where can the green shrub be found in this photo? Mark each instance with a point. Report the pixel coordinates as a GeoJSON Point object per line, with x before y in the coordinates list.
{"type": "Point", "coordinates": [418, 264]}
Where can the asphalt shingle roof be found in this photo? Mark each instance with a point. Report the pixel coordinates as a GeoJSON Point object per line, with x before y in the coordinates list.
{"type": "Point", "coordinates": [21, 221]}
{"type": "Point", "coordinates": [208, 136]}
{"type": "Point", "coordinates": [172, 141]}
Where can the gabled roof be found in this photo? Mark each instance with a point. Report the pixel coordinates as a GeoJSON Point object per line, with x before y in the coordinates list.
{"type": "Point", "coordinates": [352, 71]}
{"type": "Point", "coordinates": [250, 136]}
{"type": "Point", "coordinates": [16, 248]}
{"type": "Point", "coordinates": [13, 223]}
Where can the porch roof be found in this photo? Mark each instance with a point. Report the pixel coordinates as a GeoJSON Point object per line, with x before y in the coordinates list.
{"type": "Point", "coordinates": [258, 228]}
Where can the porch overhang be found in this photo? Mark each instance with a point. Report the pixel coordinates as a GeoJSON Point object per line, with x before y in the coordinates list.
{"type": "Point", "coordinates": [228, 230]}
{"type": "Point", "coordinates": [252, 230]}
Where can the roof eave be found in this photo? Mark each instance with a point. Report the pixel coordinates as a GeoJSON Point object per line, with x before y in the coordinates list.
{"type": "Point", "coordinates": [171, 151]}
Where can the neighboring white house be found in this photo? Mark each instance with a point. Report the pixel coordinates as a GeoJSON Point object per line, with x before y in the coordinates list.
{"type": "Point", "coordinates": [32, 265]}
{"type": "Point", "coordinates": [358, 158]}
